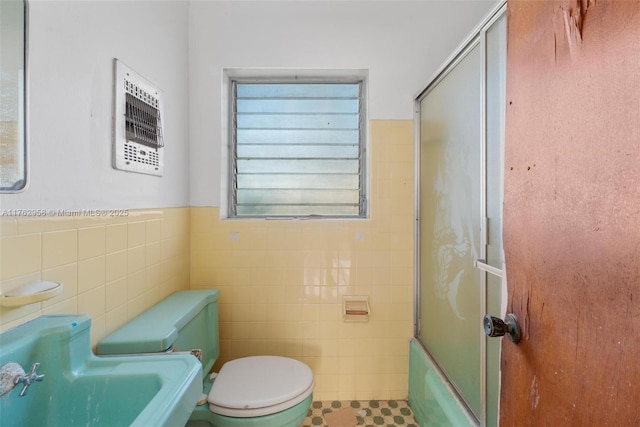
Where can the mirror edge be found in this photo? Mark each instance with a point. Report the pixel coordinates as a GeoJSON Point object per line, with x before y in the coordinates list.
{"type": "Point", "coordinates": [24, 184]}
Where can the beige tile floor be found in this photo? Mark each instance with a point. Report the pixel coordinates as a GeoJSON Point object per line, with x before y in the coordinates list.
{"type": "Point", "coordinates": [369, 413]}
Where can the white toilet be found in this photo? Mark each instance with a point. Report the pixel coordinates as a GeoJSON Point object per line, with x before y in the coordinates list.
{"type": "Point", "coordinates": [259, 391]}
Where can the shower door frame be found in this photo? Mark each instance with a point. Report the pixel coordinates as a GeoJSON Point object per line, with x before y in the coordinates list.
{"type": "Point", "coordinates": [477, 37]}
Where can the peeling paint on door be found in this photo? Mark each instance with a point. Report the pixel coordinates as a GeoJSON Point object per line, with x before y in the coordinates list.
{"type": "Point", "coordinates": [572, 222]}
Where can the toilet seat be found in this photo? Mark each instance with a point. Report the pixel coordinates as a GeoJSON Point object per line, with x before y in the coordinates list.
{"type": "Point", "coordinates": [259, 385]}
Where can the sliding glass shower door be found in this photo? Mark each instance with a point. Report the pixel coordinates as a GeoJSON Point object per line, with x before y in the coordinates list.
{"type": "Point", "coordinates": [450, 224]}
{"type": "Point", "coordinates": [461, 127]}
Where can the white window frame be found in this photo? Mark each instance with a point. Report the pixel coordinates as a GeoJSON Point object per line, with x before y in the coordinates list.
{"type": "Point", "coordinates": [289, 76]}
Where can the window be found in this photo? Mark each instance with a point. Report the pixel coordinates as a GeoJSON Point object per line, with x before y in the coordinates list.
{"type": "Point", "coordinates": [297, 149]}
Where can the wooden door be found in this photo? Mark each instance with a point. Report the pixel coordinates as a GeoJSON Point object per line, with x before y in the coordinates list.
{"type": "Point", "coordinates": [572, 214]}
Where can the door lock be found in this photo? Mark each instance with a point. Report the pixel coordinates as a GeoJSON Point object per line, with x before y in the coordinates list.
{"type": "Point", "coordinates": [496, 327]}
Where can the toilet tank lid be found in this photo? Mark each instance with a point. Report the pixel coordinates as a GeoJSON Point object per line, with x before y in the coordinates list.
{"type": "Point", "coordinates": [157, 329]}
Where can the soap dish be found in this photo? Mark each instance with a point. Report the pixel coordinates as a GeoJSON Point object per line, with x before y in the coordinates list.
{"type": "Point", "coordinates": [30, 293]}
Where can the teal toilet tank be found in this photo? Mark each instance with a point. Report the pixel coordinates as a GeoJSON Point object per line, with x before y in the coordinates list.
{"type": "Point", "coordinates": [188, 320]}
{"type": "Point", "coordinates": [182, 322]}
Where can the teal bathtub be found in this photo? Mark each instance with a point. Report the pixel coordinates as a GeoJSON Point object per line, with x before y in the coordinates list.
{"type": "Point", "coordinates": [433, 403]}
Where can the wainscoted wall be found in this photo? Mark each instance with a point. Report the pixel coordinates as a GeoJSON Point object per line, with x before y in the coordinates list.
{"type": "Point", "coordinates": [111, 267]}
{"type": "Point", "coordinates": [281, 281]}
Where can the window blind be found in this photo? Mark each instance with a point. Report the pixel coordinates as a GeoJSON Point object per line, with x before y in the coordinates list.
{"type": "Point", "coordinates": [298, 149]}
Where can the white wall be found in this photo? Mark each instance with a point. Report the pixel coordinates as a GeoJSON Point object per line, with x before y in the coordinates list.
{"type": "Point", "coordinates": [183, 47]}
{"type": "Point", "coordinates": [401, 43]}
{"type": "Point", "coordinates": [71, 49]}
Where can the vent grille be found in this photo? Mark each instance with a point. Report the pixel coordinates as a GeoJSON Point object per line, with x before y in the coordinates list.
{"type": "Point", "coordinates": [138, 135]}
{"type": "Point", "coordinates": [133, 153]}
{"type": "Point", "coordinates": [143, 123]}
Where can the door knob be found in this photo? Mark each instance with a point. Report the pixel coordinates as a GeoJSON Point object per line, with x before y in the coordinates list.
{"type": "Point", "coordinates": [496, 327]}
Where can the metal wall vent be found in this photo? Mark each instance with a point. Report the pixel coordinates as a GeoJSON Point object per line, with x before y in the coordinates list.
{"type": "Point", "coordinates": [138, 144]}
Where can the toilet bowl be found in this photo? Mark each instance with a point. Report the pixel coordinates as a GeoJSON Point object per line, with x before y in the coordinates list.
{"type": "Point", "coordinates": [255, 391]}
{"type": "Point", "coordinates": [258, 391]}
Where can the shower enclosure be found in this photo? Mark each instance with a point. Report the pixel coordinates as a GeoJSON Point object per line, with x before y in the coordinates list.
{"type": "Point", "coordinates": [459, 156]}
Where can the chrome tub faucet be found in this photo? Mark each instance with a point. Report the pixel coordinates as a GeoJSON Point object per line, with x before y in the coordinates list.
{"type": "Point", "coordinates": [27, 379]}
